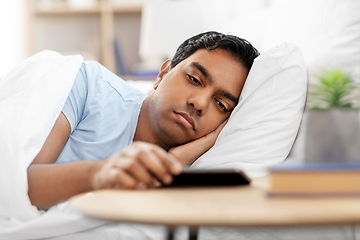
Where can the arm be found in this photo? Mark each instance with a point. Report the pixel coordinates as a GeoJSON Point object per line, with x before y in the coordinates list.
{"type": "Point", "coordinates": [50, 183]}
{"type": "Point", "coordinates": [187, 153]}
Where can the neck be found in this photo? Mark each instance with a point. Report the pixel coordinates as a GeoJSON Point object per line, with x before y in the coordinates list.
{"type": "Point", "coordinates": [145, 128]}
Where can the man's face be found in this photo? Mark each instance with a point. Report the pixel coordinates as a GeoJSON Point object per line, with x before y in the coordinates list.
{"type": "Point", "coordinates": [196, 96]}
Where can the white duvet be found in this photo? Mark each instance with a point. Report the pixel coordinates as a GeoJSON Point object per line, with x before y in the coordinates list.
{"type": "Point", "coordinates": [31, 98]}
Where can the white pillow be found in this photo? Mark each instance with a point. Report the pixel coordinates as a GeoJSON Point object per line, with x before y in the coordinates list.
{"type": "Point", "coordinates": [262, 128]}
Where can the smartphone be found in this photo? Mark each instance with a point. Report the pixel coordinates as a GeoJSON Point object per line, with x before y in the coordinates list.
{"type": "Point", "coordinates": [209, 177]}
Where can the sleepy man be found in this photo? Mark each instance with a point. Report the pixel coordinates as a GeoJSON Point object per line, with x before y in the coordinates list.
{"type": "Point", "coordinates": [141, 139]}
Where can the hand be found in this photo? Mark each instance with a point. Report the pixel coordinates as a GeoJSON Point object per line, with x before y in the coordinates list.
{"type": "Point", "coordinates": [187, 153]}
{"type": "Point", "coordinates": [139, 165]}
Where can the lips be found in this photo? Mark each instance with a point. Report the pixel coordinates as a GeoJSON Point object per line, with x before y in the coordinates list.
{"type": "Point", "coordinates": [186, 120]}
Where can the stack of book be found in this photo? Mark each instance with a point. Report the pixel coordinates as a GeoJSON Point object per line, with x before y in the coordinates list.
{"type": "Point", "coordinates": [296, 178]}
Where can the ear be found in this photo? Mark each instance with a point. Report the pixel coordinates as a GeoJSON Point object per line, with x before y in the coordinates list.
{"type": "Point", "coordinates": [165, 68]}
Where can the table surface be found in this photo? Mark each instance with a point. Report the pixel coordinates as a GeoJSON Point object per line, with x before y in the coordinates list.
{"type": "Point", "coordinates": [220, 206]}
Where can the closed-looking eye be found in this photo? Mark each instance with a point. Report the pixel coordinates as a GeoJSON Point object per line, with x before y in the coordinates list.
{"type": "Point", "coordinates": [193, 80]}
{"type": "Point", "coordinates": [222, 106]}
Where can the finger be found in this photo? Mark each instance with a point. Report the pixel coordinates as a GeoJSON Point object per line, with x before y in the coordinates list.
{"type": "Point", "coordinates": [221, 126]}
{"type": "Point", "coordinates": [126, 180]}
{"type": "Point", "coordinates": [133, 168]}
{"type": "Point", "coordinates": [152, 162]}
{"type": "Point", "coordinates": [171, 163]}
{"type": "Point", "coordinates": [214, 134]}
{"type": "Point", "coordinates": [140, 173]}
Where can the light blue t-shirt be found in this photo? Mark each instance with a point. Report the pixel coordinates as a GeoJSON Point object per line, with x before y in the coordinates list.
{"type": "Point", "coordinates": [103, 111]}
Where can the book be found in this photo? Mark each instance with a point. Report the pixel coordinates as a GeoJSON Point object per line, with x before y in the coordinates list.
{"type": "Point", "coordinates": [297, 178]}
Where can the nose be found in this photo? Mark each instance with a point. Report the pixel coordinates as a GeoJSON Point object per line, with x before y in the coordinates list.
{"type": "Point", "coordinates": [200, 102]}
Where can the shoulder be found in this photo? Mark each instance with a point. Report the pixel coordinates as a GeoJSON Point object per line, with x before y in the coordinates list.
{"type": "Point", "coordinates": [110, 81]}
{"type": "Point", "coordinates": [99, 81]}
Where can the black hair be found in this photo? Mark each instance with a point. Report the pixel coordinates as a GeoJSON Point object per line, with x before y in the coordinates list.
{"type": "Point", "coordinates": [239, 48]}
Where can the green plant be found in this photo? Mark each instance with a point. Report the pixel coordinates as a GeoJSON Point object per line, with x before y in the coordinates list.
{"type": "Point", "coordinates": [334, 90]}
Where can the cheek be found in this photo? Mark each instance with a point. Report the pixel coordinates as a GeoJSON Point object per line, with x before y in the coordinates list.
{"type": "Point", "coordinates": [163, 92]}
{"type": "Point", "coordinates": [211, 123]}
{"type": "Point", "coordinates": [173, 93]}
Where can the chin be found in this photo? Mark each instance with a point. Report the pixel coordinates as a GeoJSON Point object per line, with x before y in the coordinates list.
{"type": "Point", "coordinates": [180, 139]}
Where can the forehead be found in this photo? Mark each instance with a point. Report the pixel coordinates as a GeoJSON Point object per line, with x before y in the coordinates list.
{"type": "Point", "coordinates": [223, 70]}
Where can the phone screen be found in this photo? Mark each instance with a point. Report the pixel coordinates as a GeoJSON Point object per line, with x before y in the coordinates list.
{"type": "Point", "coordinates": [209, 177]}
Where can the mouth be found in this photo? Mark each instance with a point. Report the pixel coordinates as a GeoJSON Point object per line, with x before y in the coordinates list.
{"type": "Point", "coordinates": [186, 120]}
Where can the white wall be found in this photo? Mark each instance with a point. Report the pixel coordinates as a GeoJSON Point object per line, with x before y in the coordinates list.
{"type": "Point", "coordinates": [12, 34]}
{"type": "Point", "coordinates": [166, 23]}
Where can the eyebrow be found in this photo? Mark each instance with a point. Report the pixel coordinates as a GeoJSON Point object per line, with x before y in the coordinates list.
{"type": "Point", "coordinates": [226, 94]}
{"type": "Point", "coordinates": [202, 70]}
{"type": "Point", "coordinates": [231, 97]}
